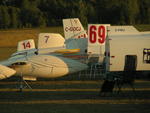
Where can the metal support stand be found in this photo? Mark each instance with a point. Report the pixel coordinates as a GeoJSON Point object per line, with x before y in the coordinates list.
{"type": "Point", "coordinates": [22, 83]}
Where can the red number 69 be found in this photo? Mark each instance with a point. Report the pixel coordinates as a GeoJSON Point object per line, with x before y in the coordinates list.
{"type": "Point", "coordinates": [97, 34]}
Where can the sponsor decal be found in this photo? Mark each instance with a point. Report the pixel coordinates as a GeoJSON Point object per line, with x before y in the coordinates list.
{"type": "Point", "coordinates": [68, 29]}
{"type": "Point", "coordinates": [146, 55]}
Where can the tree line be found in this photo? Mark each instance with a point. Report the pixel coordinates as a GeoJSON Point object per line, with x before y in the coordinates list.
{"type": "Point", "coordinates": [44, 13]}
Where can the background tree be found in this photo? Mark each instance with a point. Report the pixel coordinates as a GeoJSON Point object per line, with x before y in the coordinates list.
{"type": "Point", "coordinates": [5, 18]}
{"type": "Point", "coordinates": [133, 11]}
{"type": "Point", "coordinates": [144, 15]}
{"type": "Point", "coordinates": [41, 13]}
{"type": "Point", "coordinates": [14, 15]}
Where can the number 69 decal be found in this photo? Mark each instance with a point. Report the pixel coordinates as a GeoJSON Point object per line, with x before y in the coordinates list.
{"type": "Point", "coordinates": [97, 33]}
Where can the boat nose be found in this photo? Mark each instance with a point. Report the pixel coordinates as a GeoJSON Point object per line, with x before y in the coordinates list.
{"type": "Point", "coordinates": [6, 72]}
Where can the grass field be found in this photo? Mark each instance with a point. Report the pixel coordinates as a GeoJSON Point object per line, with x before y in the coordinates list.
{"type": "Point", "coordinates": [76, 108]}
{"type": "Point", "coordinates": [143, 27]}
{"type": "Point", "coordinates": [72, 97]}
{"type": "Point", "coordinates": [5, 52]}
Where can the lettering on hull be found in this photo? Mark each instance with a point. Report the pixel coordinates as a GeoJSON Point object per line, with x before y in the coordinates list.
{"type": "Point", "coordinates": [146, 55]}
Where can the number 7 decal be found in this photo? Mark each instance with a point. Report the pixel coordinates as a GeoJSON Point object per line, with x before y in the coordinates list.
{"type": "Point", "coordinates": [46, 40]}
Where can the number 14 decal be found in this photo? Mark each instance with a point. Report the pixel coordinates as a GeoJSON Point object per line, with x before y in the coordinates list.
{"type": "Point", "coordinates": [26, 45]}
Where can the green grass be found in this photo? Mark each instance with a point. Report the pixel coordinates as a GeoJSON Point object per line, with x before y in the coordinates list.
{"type": "Point", "coordinates": [77, 108]}
{"type": "Point", "coordinates": [6, 52]}
{"type": "Point", "coordinates": [52, 30]}
{"type": "Point", "coordinates": [143, 27]}
{"type": "Point", "coordinates": [44, 102]}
